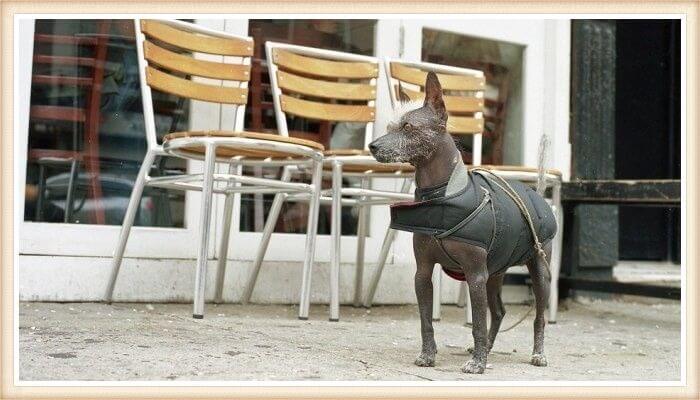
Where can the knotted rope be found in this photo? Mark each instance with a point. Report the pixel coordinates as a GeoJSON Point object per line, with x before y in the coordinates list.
{"type": "Point", "coordinates": [508, 189]}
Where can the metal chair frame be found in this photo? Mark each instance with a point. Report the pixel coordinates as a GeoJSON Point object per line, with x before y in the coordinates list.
{"type": "Point", "coordinates": [210, 182]}
{"type": "Point", "coordinates": [552, 180]}
{"type": "Point", "coordinates": [338, 195]}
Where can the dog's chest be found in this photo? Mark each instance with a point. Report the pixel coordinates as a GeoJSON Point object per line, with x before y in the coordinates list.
{"type": "Point", "coordinates": [451, 255]}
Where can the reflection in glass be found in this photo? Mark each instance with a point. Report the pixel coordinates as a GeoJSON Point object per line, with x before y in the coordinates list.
{"type": "Point", "coordinates": [502, 64]}
{"type": "Point", "coordinates": [86, 128]}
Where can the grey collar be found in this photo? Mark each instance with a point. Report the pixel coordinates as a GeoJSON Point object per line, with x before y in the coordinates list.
{"type": "Point", "coordinates": [458, 180]}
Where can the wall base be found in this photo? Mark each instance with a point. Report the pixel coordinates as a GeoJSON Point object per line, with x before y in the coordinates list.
{"type": "Point", "coordinates": [53, 278]}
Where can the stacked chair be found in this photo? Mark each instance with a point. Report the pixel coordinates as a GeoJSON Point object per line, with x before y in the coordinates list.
{"type": "Point", "coordinates": [311, 83]}
{"type": "Point", "coordinates": [306, 82]}
{"type": "Point", "coordinates": [165, 64]}
{"type": "Point", "coordinates": [464, 99]}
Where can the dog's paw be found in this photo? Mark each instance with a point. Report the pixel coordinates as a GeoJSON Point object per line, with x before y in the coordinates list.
{"type": "Point", "coordinates": [425, 360]}
{"type": "Point", "coordinates": [473, 367]}
{"type": "Point", "coordinates": [539, 360]}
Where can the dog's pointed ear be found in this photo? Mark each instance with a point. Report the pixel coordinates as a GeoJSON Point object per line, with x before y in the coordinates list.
{"type": "Point", "coordinates": [403, 97]}
{"type": "Point", "coordinates": [433, 95]}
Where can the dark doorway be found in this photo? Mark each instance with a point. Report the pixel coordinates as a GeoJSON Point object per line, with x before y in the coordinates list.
{"type": "Point", "coordinates": [647, 131]}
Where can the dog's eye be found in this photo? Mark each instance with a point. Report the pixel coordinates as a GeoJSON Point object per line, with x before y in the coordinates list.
{"type": "Point", "coordinates": [407, 126]}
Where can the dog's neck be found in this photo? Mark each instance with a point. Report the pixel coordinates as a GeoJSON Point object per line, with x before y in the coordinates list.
{"type": "Point", "coordinates": [438, 168]}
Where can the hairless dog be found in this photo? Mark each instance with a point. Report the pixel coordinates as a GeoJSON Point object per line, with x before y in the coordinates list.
{"type": "Point", "coordinates": [472, 224]}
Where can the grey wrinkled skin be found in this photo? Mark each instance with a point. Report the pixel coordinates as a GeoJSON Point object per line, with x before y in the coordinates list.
{"type": "Point", "coordinates": [419, 137]}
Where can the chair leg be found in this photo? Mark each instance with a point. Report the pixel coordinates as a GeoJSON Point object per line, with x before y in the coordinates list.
{"type": "Point", "coordinates": [361, 238]}
{"type": "Point", "coordinates": [336, 225]}
{"type": "Point", "coordinates": [68, 214]}
{"type": "Point", "coordinates": [133, 206]}
{"type": "Point", "coordinates": [200, 280]}
{"type": "Point", "coordinates": [389, 237]}
{"type": "Point", "coordinates": [462, 296]}
{"type": "Point", "coordinates": [437, 295]}
{"type": "Point", "coordinates": [312, 226]}
{"type": "Point", "coordinates": [467, 306]}
{"type": "Point", "coordinates": [383, 255]}
{"type": "Point", "coordinates": [266, 234]}
{"type": "Point", "coordinates": [223, 244]}
{"type": "Point", "coordinates": [41, 190]}
{"type": "Point", "coordinates": [555, 262]}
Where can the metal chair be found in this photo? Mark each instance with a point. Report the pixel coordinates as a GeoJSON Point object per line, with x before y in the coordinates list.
{"type": "Point", "coordinates": [160, 68]}
{"type": "Point", "coordinates": [464, 99]}
{"type": "Point", "coordinates": [464, 106]}
{"type": "Point", "coordinates": [338, 87]}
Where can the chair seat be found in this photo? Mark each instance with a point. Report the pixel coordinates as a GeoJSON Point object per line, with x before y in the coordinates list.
{"type": "Point", "coordinates": [225, 151]}
{"type": "Point", "coordinates": [517, 168]}
{"type": "Point", "coordinates": [362, 161]}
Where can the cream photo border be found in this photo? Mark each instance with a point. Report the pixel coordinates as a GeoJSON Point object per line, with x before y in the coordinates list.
{"type": "Point", "coordinates": [686, 388]}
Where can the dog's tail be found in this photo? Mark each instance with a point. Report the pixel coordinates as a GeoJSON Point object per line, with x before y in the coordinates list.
{"type": "Point", "coordinates": [542, 152]}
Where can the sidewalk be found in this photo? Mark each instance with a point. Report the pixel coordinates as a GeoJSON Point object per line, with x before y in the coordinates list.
{"type": "Point", "coordinates": [600, 340]}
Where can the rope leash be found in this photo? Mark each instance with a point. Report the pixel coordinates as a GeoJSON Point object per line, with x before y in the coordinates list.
{"type": "Point", "coordinates": [508, 189]}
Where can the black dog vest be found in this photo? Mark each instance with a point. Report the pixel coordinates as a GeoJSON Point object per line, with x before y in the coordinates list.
{"type": "Point", "coordinates": [474, 209]}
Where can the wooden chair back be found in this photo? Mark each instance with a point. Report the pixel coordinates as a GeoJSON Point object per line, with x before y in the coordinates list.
{"type": "Point", "coordinates": [322, 85]}
{"type": "Point", "coordinates": [168, 63]}
{"type": "Point", "coordinates": [463, 94]}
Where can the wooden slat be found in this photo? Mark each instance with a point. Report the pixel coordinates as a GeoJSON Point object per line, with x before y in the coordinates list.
{"type": "Point", "coordinates": [324, 68]}
{"type": "Point", "coordinates": [64, 60]}
{"type": "Point", "coordinates": [325, 89]}
{"type": "Point", "coordinates": [195, 42]}
{"type": "Point", "coordinates": [61, 80]}
{"type": "Point", "coordinates": [454, 104]}
{"type": "Point", "coordinates": [63, 39]}
{"type": "Point", "coordinates": [325, 111]}
{"type": "Point", "coordinates": [191, 66]}
{"type": "Point", "coordinates": [248, 135]}
{"type": "Point", "coordinates": [516, 168]}
{"type": "Point", "coordinates": [630, 288]}
{"type": "Point", "coordinates": [664, 192]}
{"type": "Point", "coordinates": [193, 90]}
{"type": "Point", "coordinates": [36, 154]}
{"type": "Point", "coordinates": [347, 152]}
{"type": "Point", "coordinates": [464, 125]}
{"type": "Point", "coordinates": [57, 113]}
{"type": "Point", "coordinates": [448, 82]}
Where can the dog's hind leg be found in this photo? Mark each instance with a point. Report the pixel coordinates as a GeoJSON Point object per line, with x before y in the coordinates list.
{"type": "Point", "coordinates": [493, 295]}
{"type": "Point", "coordinates": [539, 273]}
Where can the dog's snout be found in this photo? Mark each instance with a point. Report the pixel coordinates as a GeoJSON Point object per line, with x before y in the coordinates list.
{"type": "Point", "coordinates": [372, 148]}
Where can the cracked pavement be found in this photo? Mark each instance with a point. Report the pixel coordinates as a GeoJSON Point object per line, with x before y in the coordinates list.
{"type": "Point", "coordinates": [598, 340]}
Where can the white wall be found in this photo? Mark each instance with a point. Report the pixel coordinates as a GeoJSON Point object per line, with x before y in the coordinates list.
{"type": "Point", "coordinates": [60, 278]}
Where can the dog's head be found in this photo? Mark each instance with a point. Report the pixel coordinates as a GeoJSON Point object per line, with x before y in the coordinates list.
{"type": "Point", "coordinates": [416, 129]}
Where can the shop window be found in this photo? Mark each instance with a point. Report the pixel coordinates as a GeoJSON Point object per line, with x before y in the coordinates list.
{"type": "Point", "coordinates": [502, 64]}
{"type": "Point", "coordinates": [86, 128]}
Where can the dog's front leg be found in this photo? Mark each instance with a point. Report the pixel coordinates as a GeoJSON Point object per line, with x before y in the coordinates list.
{"type": "Point", "coordinates": [477, 293]}
{"type": "Point", "coordinates": [424, 294]}
{"type": "Point", "coordinates": [473, 262]}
